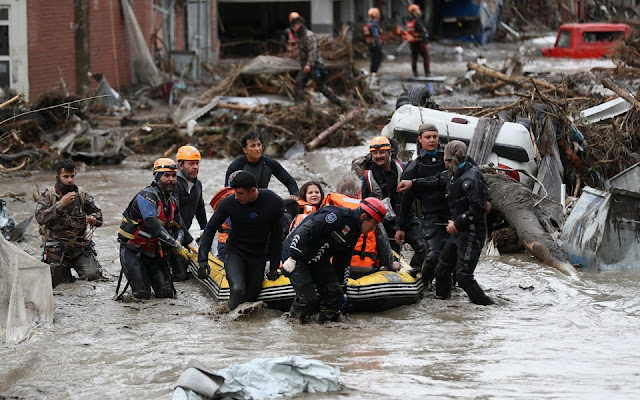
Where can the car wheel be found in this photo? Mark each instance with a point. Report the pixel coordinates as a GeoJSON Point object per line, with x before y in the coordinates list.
{"type": "Point", "coordinates": [419, 95]}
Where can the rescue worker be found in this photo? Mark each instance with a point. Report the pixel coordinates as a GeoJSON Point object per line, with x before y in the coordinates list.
{"type": "Point", "coordinates": [435, 209]}
{"type": "Point", "coordinates": [262, 167]}
{"type": "Point", "coordinates": [381, 180]}
{"type": "Point", "coordinates": [256, 220]}
{"type": "Point", "coordinates": [289, 38]}
{"type": "Point", "coordinates": [467, 228]}
{"type": "Point", "coordinates": [418, 39]}
{"type": "Point", "coordinates": [64, 211]}
{"type": "Point", "coordinates": [311, 63]}
{"type": "Point", "coordinates": [188, 192]}
{"type": "Point", "coordinates": [372, 251]}
{"type": "Point", "coordinates": [322, 242]}
{"type": "Point", "coordinates": [373, 39]}
{"type": "Point", "coordinates": [145, 235]}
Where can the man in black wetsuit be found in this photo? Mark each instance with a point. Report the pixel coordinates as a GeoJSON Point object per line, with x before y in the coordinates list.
{"type": "Point", "coordinates": [188, 192]}
{"type": "Point", "coordinates": [321, 244]}
{"type": "Point", "coordinates": [467, 195]}
{"type": "Point", "coordinates": [260, 166]}
{"type": "Point", "coordinates": [435, 209]}
{"type": "Point", "coordinates": [256, 217]}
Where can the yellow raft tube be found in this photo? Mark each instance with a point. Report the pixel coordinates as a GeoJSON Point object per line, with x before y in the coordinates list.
{"type": "Point", "coordinates": [379, 291]}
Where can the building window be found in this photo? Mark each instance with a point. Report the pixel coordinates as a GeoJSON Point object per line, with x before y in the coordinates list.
{"type": "Point", "coordinates": [5, 59]}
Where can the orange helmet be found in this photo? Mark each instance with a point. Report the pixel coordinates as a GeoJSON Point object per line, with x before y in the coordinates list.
{"type": "Point", "coordinates": [164, 165]}
{"type": "Point", "coordinates": [374, 13]}
{"type": "Point", "coordinates": [374, 208]}
{"type": "Point", "coordinates": [413, 8]}
{"type": "Point", "coordinates": [293, 15]}
{"type": "Point", "coordinates": [187, 153]}
{"type": "Point", "coordinates": [380, 143]}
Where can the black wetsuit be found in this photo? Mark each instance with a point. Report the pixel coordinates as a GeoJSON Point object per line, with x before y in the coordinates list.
{"type": "Point", "coordinates": [321, 245]}
{"type": "Point", "coordinates": [424, 172]}
{"type": "Point", "coordinates": [189, 195]}
{"type": "Point", "coordinates": [262, 170]}
{"type": "Point", "coordinates": [467, 196]}
{"type": "Point", "coordinates": [257, 227]}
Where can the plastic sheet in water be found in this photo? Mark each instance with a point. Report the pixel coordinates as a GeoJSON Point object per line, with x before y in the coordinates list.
{"type": "Point", "coordinates": [261, 378]}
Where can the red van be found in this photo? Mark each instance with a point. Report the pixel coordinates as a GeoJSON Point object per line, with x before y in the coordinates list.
{"type": "Point", "coordinates": [587, 40]}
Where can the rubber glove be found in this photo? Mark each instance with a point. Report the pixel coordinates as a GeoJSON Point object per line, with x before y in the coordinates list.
{"type": "Point", "coordinates": [289, 265]}
{"type": "Point", "coordinates": [183, 251]}
{"type": "Point", "coordinates": [204, 270]}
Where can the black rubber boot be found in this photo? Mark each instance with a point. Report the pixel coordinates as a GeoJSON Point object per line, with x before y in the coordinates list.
{"type": "Point", "coordinates": [477, 296]}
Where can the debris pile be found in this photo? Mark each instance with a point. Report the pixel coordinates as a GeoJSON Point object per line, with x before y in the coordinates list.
{"type": "Point", "coordinates": [592, 150]}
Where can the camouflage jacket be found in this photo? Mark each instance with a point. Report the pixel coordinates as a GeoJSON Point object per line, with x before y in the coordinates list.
{"type": "Point", "coordinates": [68, 223]}
{"type": "Point", "coordinates": [309, 52]}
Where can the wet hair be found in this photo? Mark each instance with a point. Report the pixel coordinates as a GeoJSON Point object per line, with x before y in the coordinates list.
{"type": "Point", "coordinates": [297, 20]}
{"type": "Point", "coordinates": [303, 190]}
{"type": "Point", "coordinates": [349, 185]}
{"type": "Point", "coordinates": [250, 136]}
{"type": "Point", "coordinates": [291, 207]}
{"type": "Point", "coordinates": [67, 165]}
{"type": "Point", "coordinates": [244, 180]}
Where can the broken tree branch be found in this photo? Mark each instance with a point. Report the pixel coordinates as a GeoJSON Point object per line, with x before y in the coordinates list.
{"type": "Point", "coordinates": [324, 135]}
{"type": "Point", "coordinates": [608, 83]}
{"type": "Point", "coordinates": [516, 80]}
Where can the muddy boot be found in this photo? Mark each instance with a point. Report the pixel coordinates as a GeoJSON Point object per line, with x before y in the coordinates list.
{"type": "Point", "coordinates": [328, 315]}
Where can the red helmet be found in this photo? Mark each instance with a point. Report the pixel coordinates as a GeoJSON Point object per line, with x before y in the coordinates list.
{"type": "Point", "coordinates": [374, 208]}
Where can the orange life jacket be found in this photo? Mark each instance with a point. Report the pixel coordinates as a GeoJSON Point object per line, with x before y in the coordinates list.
{"type": "Point", "coordinates": [305, 209]}
{"type": "Point", "coordinates": [364, 252]}
{"type": "Point", "coordinates": [223, 231]}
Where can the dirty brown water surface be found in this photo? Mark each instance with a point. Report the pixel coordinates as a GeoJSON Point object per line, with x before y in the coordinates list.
{"type": "Point", "coordinates": [547, 336]}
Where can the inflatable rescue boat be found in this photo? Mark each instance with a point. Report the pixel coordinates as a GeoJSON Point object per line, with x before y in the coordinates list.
{"type": "Point", "coordinates": [379, 291]}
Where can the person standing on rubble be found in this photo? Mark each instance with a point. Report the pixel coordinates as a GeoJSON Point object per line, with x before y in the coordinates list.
{"type": "Point", "coordinates": [64, 212]}
{"type": "Point", "coordinates": [418, 39]}
{"type": "Point", "coordinates": [151, 225]}
{"type": "Point", "coordinates": [425, 171]}
{"type": "Point", "coordinates": [256, 235]}
{"type": "Point", "coordinates": [311, 63]}
{"type": "Point", "coordinates": [373, 40]}
{"type": "Point", "coordinates": [289, 38]}
{"type": "Point", "coordinates": [467, 195]}
{"type": "Point", "coordinates": [188, 192]}
{"type": "Point", "coordinates": [320, 245]}
{"type": "Point", "coordinates": [381, 180]}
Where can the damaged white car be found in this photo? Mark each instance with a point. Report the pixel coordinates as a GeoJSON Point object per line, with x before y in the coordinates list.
{"type": "Point", "coordinates": [512, 147]}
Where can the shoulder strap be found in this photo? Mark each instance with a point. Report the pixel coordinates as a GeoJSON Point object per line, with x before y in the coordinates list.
{"type": "Point", "coordinates": [52, 194]}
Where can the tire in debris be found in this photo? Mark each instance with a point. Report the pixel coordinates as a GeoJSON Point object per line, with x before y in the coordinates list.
{"type": "Point", "coordinates": [419, 95]}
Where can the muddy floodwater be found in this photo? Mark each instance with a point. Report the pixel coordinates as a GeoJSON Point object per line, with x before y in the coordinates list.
{"type": "Point", "coordinates": [547, 336]}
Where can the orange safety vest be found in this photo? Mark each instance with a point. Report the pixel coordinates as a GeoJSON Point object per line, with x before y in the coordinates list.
{"type": "Point", "coordinates": [292, 41]}
{"type": "Point", "coordinates": [223, 231]}
{"type": "Point", "coordinates": [364, 253]}
{"type": "Point", "coordinates": [412, 34]}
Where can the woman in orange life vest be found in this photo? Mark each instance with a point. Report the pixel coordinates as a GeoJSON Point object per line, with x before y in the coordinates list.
{"type": "Point", "coordinates": [310, 198]}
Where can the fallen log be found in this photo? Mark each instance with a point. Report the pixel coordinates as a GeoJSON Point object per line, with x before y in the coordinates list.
{"type": "Point", "coordinates": [324, 135]}
{"type": "Point", "coordinates": [533, 222]}
{"type": "Point", "coordinates": [516, 80]}
{"type": "Point", "coordinates": [608, 83]}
